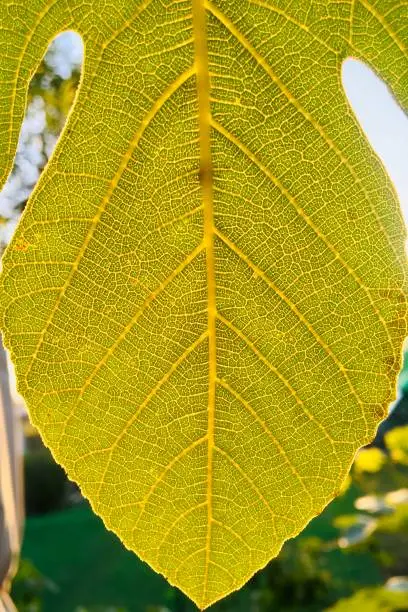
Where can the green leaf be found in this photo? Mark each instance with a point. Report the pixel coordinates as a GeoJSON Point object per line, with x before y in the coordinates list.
{"type": "Point", "coordinates": [373, 599]}
{"type": "Point", "coordinates": [204, 299]}
{"type": "Point", "coordinates": [397, 443]}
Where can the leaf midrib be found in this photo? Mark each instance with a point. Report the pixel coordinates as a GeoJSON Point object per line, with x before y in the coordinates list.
{"type": "Point", "coordinates": [205, 174]}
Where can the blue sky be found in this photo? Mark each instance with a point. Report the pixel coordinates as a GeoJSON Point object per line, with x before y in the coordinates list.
{"type": "Point", "coordinates": [383, 121]}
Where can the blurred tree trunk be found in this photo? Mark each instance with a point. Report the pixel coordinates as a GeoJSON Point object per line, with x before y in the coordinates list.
{"type": "Point", "coordinates": [11, 507]}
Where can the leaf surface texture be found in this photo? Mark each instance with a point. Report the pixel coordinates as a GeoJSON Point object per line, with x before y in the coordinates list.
{"type": "Point", "coordinates": [205, 297]}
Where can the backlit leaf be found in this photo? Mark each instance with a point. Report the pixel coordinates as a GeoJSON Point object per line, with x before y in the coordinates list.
{"type": "Point", "coordinates": [204, 299]}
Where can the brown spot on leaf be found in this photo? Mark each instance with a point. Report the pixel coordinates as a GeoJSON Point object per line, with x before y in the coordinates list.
{"type": "Point", "coordinates": [21, 245]}
{"type": "Point", "coordinates": [380, 412]}
{"type": "Point", "coordinates": [205, 175]}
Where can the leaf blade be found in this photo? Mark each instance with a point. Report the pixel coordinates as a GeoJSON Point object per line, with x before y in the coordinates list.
{"type": "Point", "coordinates": [217, 279]}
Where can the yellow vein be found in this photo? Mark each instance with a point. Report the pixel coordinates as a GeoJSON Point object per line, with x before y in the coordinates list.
{"type": "Point", "coordinates": [28, 294]}
{"type": "Point", "coordinates": [395, 7]}
{"type": "Point", "coordinates": [181, 45]}
{"type": "Point", "coordinates": [28, 39]}
{"type": "Point", "coordinates": [147, 400]}
{"type": "Point", "coordinates": [253, 485]}
{"type": "Point", "coordinates": [100, 451]}
{"type": "Point", "coordinates": [266, 429]}
{"type": "Point", "coordinates": [234, 533]}
{"type": "Point", "coordinates": [175, 522]}
{"type": "Point", "coordinates": [292, 100]}
{"type": "Point", "coordinates": [125, 331]}
{"type": "Point", "coordinates": [226, 571]}
{"type": "Point", "coordinates": [165, 96]}
{"type": "Point", "coordinates": [204, 119]}
{"type": "Point", "coordinates": [275, 370]}
{"type": "Point", "coordinates": [265, 170]}
{"type": "Point", "coordinates": [384, 24]}
{"type": "Point", "coordinates": [165, 471]}
{"type": "Point", "coordinates": [178, 569]}
{"type": "Point", "coordinates": [82, 93]}
{"type": "Point", "coordinates": [260, 356]}
{"type": "Point", "coordinates": [183, 217]}
{"type": "Point", "coordinates": [297, 312]}
{"type": "Point", "coordinates": [126, 24]}
{"type": "Point", "coordinates": [352, 9]}
{"type": "Point", "coordinates": [299, 24]}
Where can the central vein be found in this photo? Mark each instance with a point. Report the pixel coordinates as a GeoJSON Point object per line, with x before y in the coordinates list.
{"type": "Point", "coordinates": [204, 116]}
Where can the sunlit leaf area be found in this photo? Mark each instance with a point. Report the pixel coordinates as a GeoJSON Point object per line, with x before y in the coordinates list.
{"type": "Point", "coordinates": [191, 485]}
